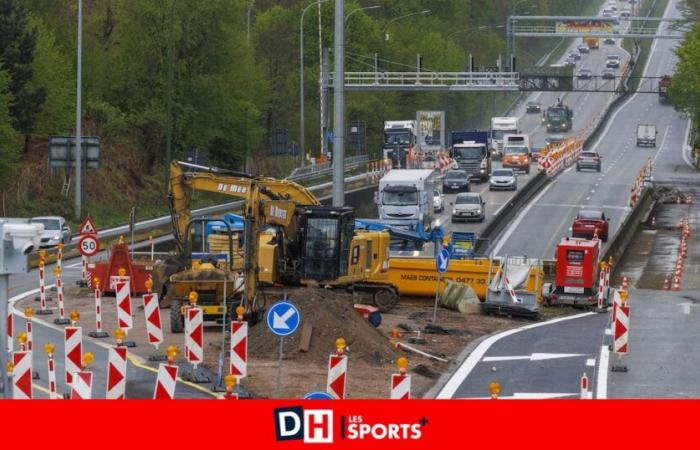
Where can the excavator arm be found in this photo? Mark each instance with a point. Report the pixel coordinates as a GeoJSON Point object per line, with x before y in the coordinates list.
{"type": "Point", "coordinates": [267, 201]}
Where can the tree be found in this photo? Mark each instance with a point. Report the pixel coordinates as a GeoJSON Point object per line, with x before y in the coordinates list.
{"type": "Point", "coordinates": [17, 44]}
{"type": "Point", "coordinates": [8, 136]}
{"type": "Point", "coordinates": [684, 93]}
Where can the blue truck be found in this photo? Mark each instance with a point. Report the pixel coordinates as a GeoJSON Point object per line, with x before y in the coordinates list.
{"type": "Point", "coordinates": [470, 150]}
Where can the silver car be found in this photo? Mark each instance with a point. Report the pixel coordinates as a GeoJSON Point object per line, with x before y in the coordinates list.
{"type": "Point", "coordinates": [438, 201]}
{"type": "Point", "coordinates": [56, 230]}
{"type": "Point", "coordinates": [503, 179]}
{"type": "Point", "coordinates": [468, 206]}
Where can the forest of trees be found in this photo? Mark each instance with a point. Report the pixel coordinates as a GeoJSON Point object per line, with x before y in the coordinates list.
{"type": "Point", "coordinates": [230, 87]}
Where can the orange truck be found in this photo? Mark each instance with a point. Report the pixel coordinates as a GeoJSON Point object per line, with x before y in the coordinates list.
{"type": "Point", "coordinates": [517, 152]}
{"type": "Point", "coordinates": [592, 42]}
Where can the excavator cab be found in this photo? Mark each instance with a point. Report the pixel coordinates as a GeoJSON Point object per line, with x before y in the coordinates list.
{"type": "Point", "coordinates": [325, 235]}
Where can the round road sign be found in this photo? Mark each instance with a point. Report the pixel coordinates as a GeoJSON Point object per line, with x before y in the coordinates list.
{"type": "Point", "coordinates": [88, 245]}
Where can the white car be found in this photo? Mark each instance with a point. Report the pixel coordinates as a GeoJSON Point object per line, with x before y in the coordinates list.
{"type": "Point", "coordinates": [438, 201]}
{"type": "Point", "coordinates": [468, 206]}
{"type": "Point", "coordinates": [56, 230]}
{"type": "Point", "coordinates": [503, 179]}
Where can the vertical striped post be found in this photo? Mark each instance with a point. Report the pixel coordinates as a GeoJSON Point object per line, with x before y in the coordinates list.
{"type": "Point", "coordinates": [167, 377]}
{"type": "Point", "coordinates": [42, 285]}
{"type": "Point", "coordinates": [83, 270]}
{"type": "Point", "coordinates": [601, 286]}
{"type": "Point", "coordinates": [401, 382]}
{"type": "Point", "coordinates": [28, 314]}
{"type": "Point", "coordinates": [49, 349]}
{"type": "Point", "coordinates": [337, 371]}
{"type": "Point", "coordinates": [99, 332]}
{"type": "Point", "coordinates": [59, 256]}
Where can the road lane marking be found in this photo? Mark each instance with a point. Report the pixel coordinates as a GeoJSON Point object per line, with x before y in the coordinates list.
{"type": "Point", "coordinates": [590, 362]}
{"type": "Point", "coordinates": [532, 357]}
{"type": "Point", "coordinates": [456, 380]}
{"type": "Point", "coordinates": [601, 389]}
{"type": "Point", "coordinates": [661, 146]}
{"type": "Point", "coordinates": [529, 396]}
{"type": "Point", "coordinates": [686, 158]}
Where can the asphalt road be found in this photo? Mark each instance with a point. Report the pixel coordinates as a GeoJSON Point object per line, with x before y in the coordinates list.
{"type": "Point", "coordinates": [540, 225]}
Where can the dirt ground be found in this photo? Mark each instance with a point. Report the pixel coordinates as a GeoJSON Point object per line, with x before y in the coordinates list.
{"type": "Point", "coordinates": [371, 352]}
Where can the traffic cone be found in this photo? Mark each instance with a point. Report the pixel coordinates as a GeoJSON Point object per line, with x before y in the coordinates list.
{"type": "Point", "coordinates": [666, 284]}
{"type": "Point", "coordinates": [676, 284]}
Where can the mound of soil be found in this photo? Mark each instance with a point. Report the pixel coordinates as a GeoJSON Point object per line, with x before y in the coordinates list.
{"type": "Point", "coordinates": [331, 314]}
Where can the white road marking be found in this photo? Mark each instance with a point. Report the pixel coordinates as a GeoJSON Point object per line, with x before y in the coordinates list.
{"type": "Point", "coordinates": [532, 357]}
{"type": "Point", "coordinates": [529, 396]}
{"type": "Point", "coordinates": [575, 205]}
{"type": "Point", "coordinates": [608, 332]}
{"type": "Point", "coordinates": [661, 146]}
{"type": "Point", "coordinates": [602, 379]}
{"type": "Point", "coordinates": [590, 362]}
{"type": "Point", "coordinates": [476, 356]}
{"type": "Point", "coordinates": [685, 148]}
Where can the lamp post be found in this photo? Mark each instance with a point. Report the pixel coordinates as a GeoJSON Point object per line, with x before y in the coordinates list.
{"type": "Point", "coordinates": [169, 106]}
{"type": "Point", "coordinates": [396, 19]}
{"type": "Point", "coordinates": [359, 9]}
{"type": "Point", "coordinates": [247, 19]}
{"type": "Point", "coordinates": [510, 50]}
{"type": "Point", "coordinates": [473, 29]}
{"type": "Point", "coordinates": [78, 115]}
{"type": "Point", "coordinates": [302, 140]}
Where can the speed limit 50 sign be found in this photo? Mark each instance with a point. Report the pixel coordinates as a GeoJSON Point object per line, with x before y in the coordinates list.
{"type": "Point", "coordinates": [88, 245]}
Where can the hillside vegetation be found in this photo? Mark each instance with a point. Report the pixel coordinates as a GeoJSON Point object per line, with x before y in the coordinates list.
{"type": "Point", "coordinates": [229, 88]}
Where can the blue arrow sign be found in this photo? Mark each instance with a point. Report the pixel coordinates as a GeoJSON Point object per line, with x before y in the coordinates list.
{"type": "Point", "coordinates": [318, 395]}
{"type": "Point", "coordinates": [283, 318]}
{"type": "Point", "coordinates": [443, 260]}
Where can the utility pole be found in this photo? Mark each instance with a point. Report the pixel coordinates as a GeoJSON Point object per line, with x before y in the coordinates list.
{"type": "Point", "coordinates": [78, 116]}
{"type": "Point", "coordinates": [4, 344]}
{"type": "Point", "coordinates": [169, 106]}
{"type": "Point", "coordinates": [339, 107]}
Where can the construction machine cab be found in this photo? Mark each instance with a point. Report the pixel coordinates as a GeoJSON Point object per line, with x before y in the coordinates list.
{"type": "Point", "coordinates": [324, 241]}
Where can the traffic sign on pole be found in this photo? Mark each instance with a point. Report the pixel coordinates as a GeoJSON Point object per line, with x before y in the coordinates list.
{"type": "Point", "coordinates": [88, 226]}
{"type": "Point", "coordinates": [318, 395]}
{"type": "Point", "coordinates": [88, 245]}
{"type": "Point", "coordinates": [283, 318]}
{"type": "Point", "coordinates": [443, 260]}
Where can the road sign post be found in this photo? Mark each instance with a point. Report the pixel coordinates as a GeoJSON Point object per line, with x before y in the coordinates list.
{"type": "Point", "coordinates": [283, 319]}
{"type": "Point", "coordinates": [88, 247]}
{"type": "Point", "coordinates": [442, 262]}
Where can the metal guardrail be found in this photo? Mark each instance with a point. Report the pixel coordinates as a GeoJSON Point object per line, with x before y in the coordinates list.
{"type": "Point", "coordinates": [315, 170]}
{"type": "Point", "coordinates": [430, 81]}
{"type": "Point", "coordinates": [551, 31]}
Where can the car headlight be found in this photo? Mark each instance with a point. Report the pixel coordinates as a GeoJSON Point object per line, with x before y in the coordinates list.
{"type": "Point", "coordinates": [482, 170]}
{"type": "Point", "coordinates": [454, 211]}
{"type": "Point", "coordinates": [55, 238]}
{"type": "Point", "coordinates": [478, 211]}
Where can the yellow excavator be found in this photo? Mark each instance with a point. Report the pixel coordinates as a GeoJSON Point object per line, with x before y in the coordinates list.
{"type": "Point", "coordinates": [289, 239]}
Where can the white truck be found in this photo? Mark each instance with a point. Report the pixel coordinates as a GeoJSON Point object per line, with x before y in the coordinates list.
{"type": "Point", "coordinates": [400, 138]}
{"type": "Point", "coordinates": [646, 135]}
{"type": "Point", "coordinates": [405, 198]}
{"type": "Point", "coordinates": [500, 126]}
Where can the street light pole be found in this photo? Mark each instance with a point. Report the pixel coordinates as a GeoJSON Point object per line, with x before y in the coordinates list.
{"type": "Point", "coordinates": [169, 100]}
{"type": "Point", "coordinates": [510, 47]}
{"type": "Point", "coordinates": [78, 116]}
{"type": "Point", "coordinates": [302, 140]}
{"type": "Point", "coordinates": [247, 19]}
{"type": "Point", "coordinates": [339, 106]}
{"type": "Point", "coordinates": [358, 10]}
{"type": "Point", "coordinates": [396, 19]}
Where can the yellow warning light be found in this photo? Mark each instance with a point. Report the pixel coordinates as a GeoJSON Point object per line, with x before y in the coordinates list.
{"type": "Point", "coordinates": [494, 389]}
{"type": "Point", "coordinates": [29, 312]}
{"type": "Point", "coordinates": [121, 272]}
{"type": "Point", "coordinates": [402, 363]}
{"type": "Point", "coordinates": [88, 358]}
{"type": "Point", "coordinates": [49, 348]}
{"type": "Point", "coordinates": [171, 351]}
{"type": "Point", "coordinates": [230, 381]}
{"type": "Point", "coordinates": [193, 297]}
{"type": "Point", "coordinates": [42, 254]}
{"type": "Point", "coordinates": [96, 282]}
{"type": "Point", "coordinates": [340, 345]}
{"type": "Point", "coordinates": [395, 333]}
{"type": "Point", "coordinates": [121, 239]}
{"type": "Point", "coordinates": [149, 284]}
{"type": "Point", "coordinates": [240, 311]}
{"type": "Point", "coordinates": [60, 245]}
{"type": "Point", "coordinates": [119, 334]}
{"type": "Point", "coordinates": [610, 261]}
{"type": "Point", "coordinates": [57, 272]}
{"type": "Point", "coordinates": [22, 338]}
{"type": "Point", "coordinates": [74, 316]}
{"type": "Point", "coordinates": [10, 367]}
{"type": "Point", "coordinates": [623, 296]}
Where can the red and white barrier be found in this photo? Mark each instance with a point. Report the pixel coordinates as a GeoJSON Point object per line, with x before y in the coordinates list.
{"type": "Point", "coordinates": [116, 373]}
{"type": "Point", "coordinates": [98, 309]}
{"type": "Point", "coordinates": [10, 323]}
{"type": "Point", "coordinates": [194, 335]}
{"type": "Point", "coordinates": [59, 294]}
{"type": "Point", "coordinates": [59, 256]}
{"type": "Point", "coordinates": [337, 372]}
{"type": "Point", "coordinates": [81, 389]}
{"type": "Point", "coordinates": [42, 286]}
{"type": "Point", "coordinates": [73, 348]}
{"type": "Point", "coordinates": [584, 387]}
{"type": "Point", "coordinates": [166, 382]}
{"type": "Point", "coordinates": [28, 323]}
{"type": "Point", "coordinates": [123, 295]}
{"type": "Point", "coordinates": [511, 292]}
{"type": "Point", "coordinates": [400, 387]}
{"type": "Point", "coordinates": [154, 329]}
{"type": "Point", "coordinates": [621, 332]}
{"type": "Point", "coordinates": [52, 377]}
{"type": "Point", "coordinates": [22, 375]}
{"type": "Point", "coordinates": [239, 349]}
{"type": "Point", "coordinates": [84, 269]}
{"type": "Point", "coordinates": [601, 287]}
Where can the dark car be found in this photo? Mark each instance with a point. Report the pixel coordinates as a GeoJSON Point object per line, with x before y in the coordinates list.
{"type": "Point", "coordinates": [588, 160]}
{"type": "Point", "coordinates": [570, 62]}
{"type": "Point", "coordinates": [456, 180]}
{"type": "Point", "coordinates": [574, 55]}
{"type": "Point", "coordinates": [609, 41]}
{"type": "Point", "coordinates": [608, 74]}
{"type": "Point", "coordinates": [588, 223]}
{"type": "Point", "coordinates": [584, 48]}
{"type": "Point", "coordinates": [585, 74]}
{"type": "Point", "coordinates": [533, 107]}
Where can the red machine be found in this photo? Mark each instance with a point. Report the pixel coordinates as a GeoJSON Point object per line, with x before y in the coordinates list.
{"type": "Point", "coordinates": [108, 271]}
{"type": "Point", "coordinates": [576, 272]}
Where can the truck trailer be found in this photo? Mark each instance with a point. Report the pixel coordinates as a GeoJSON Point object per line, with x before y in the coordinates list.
{"type": "Point", "coordinates": [500, 126]}
{"type": "Point", "coordinates": [470, 151]}
{"type": "Point", "coordinates": [405, 198]}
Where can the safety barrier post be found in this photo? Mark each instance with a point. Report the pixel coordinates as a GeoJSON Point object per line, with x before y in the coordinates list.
{"type": "Point", "coordinates": [49, 349]}
{"type": "Point", "coordinates": [494, 389]}
{"type": "Point", "coordinates": [239, 345]}
{"type": "Point", "coordinates": [151, 311]}
{"type": "Point", "coordinates": [98, 333]}
{"type": "Point", "coordinates": [337, 371]}
{"type": "Point", "coordinates": [601, 287]}
{"type": "Point", "coordinates": [62, 319]}
{"type": "Point", "coordinates": [59, 255]}
{"type": "Point", "coordinates": [123, 299]}
{"type": "Point", "coordinates": [29, 313]}
{"type": "Point", "coordinates": [81, 389]}
{"type": "Point", "coordinates": [116, 368]}
{"type": "Point", "coordinates": [621, 332]}
{"type": "Point", "coordinates": [401, 382]}
{"type": "Point", "coordinates": [584, 387]}
{"type": "Point", "coordinates": [21, 370]}
{"type": "Point", "coordinates": [194, 331]}
{"type": "Point", "coordinates": [43, 310]}
{"type": "Point", "coordinates": [167, 377]}
{"type": "Point", "coordinates": [73, 347]}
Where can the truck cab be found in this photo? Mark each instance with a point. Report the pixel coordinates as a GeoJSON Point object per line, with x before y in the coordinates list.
{"type": "Point", "coordinates": [405, 198]}
{"type": "Point", "coordinates": [558, 118]}
{"type": "Point", "coordinates": [500, 126]}
{"type": "Point", "coordinates": [399, 142]}
{"type": "Point", "coordinates": [517, 152]}
{"type": "Point", "coordinates": [469, 150]}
